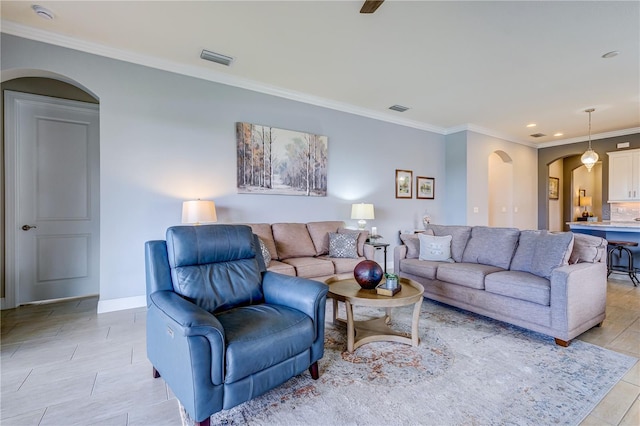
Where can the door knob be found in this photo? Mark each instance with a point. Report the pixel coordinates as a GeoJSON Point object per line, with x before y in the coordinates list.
{"type": "Point", "coordinates": [27, 227]}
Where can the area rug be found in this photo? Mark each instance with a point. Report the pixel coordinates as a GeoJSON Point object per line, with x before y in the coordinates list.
{"type": "Point", "coordinates": [467, 370]}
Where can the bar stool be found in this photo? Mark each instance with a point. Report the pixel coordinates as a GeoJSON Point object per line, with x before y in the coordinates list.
{"type": "Point", "coordinates": [621, 247]}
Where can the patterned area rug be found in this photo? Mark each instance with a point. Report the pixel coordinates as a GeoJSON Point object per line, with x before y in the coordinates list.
{"type": "Point", "coordinates": [467, 370]}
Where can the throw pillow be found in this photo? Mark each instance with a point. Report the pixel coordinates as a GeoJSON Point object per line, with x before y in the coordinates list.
{"type": "Point", "coordinates": [435, 248]}
{"type": "Point", "coordinates": [343, 245]}
{"type": "Point", "coordinates": [362, 238]}
{"type": "Point", "coordinates": [413, 243]}
{"type": "Point", "coordinates": [265, 253]}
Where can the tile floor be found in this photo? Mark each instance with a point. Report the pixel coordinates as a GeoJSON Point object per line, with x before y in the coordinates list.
{"type": "Point", "coordinates": [62, 364]}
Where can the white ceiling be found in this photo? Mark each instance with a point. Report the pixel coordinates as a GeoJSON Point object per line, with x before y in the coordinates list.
{"type": "Point", "coordinates": [488, 66]}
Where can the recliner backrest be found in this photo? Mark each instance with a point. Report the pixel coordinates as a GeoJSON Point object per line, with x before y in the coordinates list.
{"type": "Point", "coordinates": [215, 266]}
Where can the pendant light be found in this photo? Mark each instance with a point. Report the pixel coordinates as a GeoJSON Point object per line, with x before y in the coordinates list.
{"type": "Point", "coordinates": [590, 157]}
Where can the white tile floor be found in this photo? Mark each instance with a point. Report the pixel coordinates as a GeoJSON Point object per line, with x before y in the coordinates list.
{"type": "Point", "coordinates": [62, 364]}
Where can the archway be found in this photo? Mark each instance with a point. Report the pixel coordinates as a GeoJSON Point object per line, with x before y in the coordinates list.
{"type": "Point", "coordinates": [500, 182]}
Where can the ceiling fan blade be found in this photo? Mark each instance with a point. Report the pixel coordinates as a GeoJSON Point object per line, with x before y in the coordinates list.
{"type": "Point", "coordinates": [371, 6]}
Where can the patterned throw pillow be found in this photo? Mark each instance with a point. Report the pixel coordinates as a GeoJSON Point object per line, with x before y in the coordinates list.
{"type": "Point", "coordinates": [265, 253]}
{"type": "Point", "coordinates": [435, 248]}
{"type": "Point", "coordinates": [343, 245]}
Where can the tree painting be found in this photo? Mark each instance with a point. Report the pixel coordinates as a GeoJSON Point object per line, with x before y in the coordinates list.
{"type": "Point", "coordinates": [278, 161]}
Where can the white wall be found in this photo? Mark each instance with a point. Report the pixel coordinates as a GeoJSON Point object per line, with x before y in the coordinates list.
{"type": "Point", "coordinates": [165, 138]}
{"type": "Point", "coordinates": [501, 207]}
{"type": "Point", "coordinates": [525, 174]}
{"type": "Point", "coordinates": [592, 183]}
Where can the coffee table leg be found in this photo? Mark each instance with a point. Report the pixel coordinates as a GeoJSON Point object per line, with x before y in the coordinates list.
{"type": "Point", "coordinates": [335, 311]}
{"type": "Point", "coordinates": [415, 340]}
{"type": "Point", "coordinates": [351, 332]}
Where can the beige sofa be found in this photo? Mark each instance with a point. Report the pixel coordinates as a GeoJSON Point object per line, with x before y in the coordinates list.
{"type": "Point", "coordinates": [552, 283]}
{"type": "Point", "coordinates": [302, 249]}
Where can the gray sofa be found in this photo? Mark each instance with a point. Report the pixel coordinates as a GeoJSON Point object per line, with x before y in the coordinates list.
{"type": "Point", "coordinates": [551, 283]}
{"type": "Point", "coordinates": [303, 249]}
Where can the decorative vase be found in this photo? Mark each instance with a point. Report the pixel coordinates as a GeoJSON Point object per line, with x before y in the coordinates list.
{"type": "Point", "coordinates": [368, 274]}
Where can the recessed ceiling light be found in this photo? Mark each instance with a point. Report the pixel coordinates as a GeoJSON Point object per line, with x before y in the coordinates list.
{"type": "Point", "coordinates": [558, 134]}
{"type": "Point", "coordinates": [218, 58]}
{"type": "Point", "coordinates": [531, 125]}
{"type": "Point", "coordinates": [611, 54]}
{"type": "Point", "coordinates": [43, 12]}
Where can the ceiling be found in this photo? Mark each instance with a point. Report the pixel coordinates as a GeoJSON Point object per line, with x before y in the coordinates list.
{"type": "Point", "coordinates": [492, 67]}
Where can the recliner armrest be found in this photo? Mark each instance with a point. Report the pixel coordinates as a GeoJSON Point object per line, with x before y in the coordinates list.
{"type": "Point", "coordinates": [193, 319]}
{"type": "Point", "coordinates": [295, 292]}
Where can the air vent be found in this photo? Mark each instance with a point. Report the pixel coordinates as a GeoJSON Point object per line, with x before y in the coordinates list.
{"type": "Point", "coordinates": [537, 135]}
{"type": "Point", "coordinates": [216, 57]}
{"type": "Point", "coordinates": [398, 108]}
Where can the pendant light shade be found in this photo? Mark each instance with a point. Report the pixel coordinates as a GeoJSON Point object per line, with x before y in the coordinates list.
{"type": "Point", "coordinates": [590, 157]}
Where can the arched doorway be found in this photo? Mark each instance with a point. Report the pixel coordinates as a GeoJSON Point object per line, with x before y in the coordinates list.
{"type": "Point", "coordinates": [25, 89]}
{"type": "Point", "coordinates": [500, 181]}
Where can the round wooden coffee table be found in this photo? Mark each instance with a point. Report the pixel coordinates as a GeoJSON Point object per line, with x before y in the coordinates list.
{"type": "Point", "coordinates": [347, 290]}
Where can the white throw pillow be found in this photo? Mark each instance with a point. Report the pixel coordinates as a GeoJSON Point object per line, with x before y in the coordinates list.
{"type": "Point", "coordinates": [435, 248]}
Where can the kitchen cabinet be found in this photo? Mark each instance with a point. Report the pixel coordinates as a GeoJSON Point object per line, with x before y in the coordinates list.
{"type": "Point", "coordinates": [624, 175]}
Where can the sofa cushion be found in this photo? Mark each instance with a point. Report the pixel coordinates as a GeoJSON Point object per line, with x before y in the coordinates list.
{"type": "Point", "coordinates": [263, 230]}
{"type": "Point", "coordinates": [540, 252]}
{"type": "Point", "coordinates": [459, 237]}
{"type": "Point", "coordinates": [465, 274]}
{"type": "Point", "coordinates": [311, 266]}
{"type": "Point", "coordinates": [319, 232]}
{"type": "Point", "coordinates": [587, 249]}
{"type": "Point", "coordinates": [292, 240]}
{"type": "Point", "coordinates": [435, 248]}
{"type": "Point", "coordinates": [282, 268]}
{"type": "Point", "coordinates": [519, 285]}
{"type": "Point", "coordinates": [344, 265]}
{"type": "Point", "coordinates": [421, 268]}
{"type": "Point", "coordinates": [413, 243]}
{"type": "Point", "coordinates": [362, 238]}
{"type": "Point", "coordinates": [343, 245]}
{"type": "Point", "coordinates": [491, 246]}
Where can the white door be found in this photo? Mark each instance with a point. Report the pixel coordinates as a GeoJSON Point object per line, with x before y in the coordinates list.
{"type": "Point", "coordinates": [54, 145]}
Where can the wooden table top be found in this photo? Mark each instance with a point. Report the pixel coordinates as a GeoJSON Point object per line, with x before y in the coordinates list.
{"type": "Point", "coordinates": [347, 289]}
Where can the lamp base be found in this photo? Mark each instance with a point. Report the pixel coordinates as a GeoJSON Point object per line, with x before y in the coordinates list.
{"type": "Point", "coordinates": [361, 224]}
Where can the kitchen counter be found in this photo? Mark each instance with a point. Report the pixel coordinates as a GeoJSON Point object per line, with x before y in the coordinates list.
{"type": "Point", "coordinates": [606, 225]}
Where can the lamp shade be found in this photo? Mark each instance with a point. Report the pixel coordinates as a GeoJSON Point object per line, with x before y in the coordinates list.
{"type": "Point", "coordinates": [589, 158]}
{"type": "Point", "coordinates": [362, 211]}
{"type": "Point", "coordinates": [198, 212]}
{"type": "Point", "coordinates": [586, 201]}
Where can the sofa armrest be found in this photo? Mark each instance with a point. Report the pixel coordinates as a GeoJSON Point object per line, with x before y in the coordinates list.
{"type": "Point", "coordinates": [177, 328]}
{"type": "Point", "coordinates": [369, 252]}
{"type": "Point", "coordinates": [578, 295]}
{"type": "Point", "coordinates": [399, 253]}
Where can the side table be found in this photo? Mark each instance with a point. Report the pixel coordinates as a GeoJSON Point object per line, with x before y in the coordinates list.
{"type": "Point", "coordinates": [379, 246]}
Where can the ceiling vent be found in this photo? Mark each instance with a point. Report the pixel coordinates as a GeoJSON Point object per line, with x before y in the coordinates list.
{"type": "Point", "coordinates": [398, 108]}
{"type": "Point", "coordinates": [537, 135]}
{"type": "Point", "coordinates": [216, 57]}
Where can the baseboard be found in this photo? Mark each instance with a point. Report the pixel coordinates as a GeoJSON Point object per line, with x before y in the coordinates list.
{"type": "Point", "coordinates": [120, 304]}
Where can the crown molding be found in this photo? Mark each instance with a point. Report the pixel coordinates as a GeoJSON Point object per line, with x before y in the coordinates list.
{"type": "Point", "coordinates": [205, 74]}
{"type": "Point", "coordinates": [470, 127]}
{"type": "Point", "coordinates": [612, 134]}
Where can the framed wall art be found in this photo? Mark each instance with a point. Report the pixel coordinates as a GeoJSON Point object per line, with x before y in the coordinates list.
{"type": "Point", "coordinates": [554, 187]}
{"type": "Point", "coordinates": [425, 188]}
{"type": "Point", "coordinates": [281, 162]}
{"type": "Point", "coordinates": [404, 184]}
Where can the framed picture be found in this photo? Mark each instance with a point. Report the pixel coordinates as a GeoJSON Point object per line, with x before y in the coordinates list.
{"type": "Point", "coordinates": [554, 184]}
{"type": "Point", "coordinates": [404, 184]}
{"type": "Point", "coordinates": [280, 162]}
{"type": "Point", "coordinates": [425, 187]}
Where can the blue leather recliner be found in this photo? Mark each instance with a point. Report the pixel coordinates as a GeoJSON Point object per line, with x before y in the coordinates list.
{"type": "Point", "coordinates": [222, 330]}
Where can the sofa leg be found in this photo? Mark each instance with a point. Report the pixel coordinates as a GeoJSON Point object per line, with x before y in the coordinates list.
{"type": "Point", "coordinates": [205, 422]}
{"type": "Point", "coordinates": [562, 343]}
{"type": "Point", "coordinates": [313, 370]}
{"type": "Point", "coordinates": [599, 324]}
{"type": "Point", "coordinates": [156, 374]}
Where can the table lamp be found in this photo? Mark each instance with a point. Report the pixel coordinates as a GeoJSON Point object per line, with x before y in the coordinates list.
{"type": "Point", "coordinates": [362, 212]}
{"type": "Point", "coordinates": [198, 212]}
{"type": "Point", "coordinates": [585, 202]}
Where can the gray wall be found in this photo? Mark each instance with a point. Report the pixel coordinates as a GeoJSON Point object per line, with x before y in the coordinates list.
{"type": "Point", "coordinates": [548, 155]}
{"type": "Point", "coordinates": [456, 187]}
{"type": "Point", "coordinates": [166, 138]}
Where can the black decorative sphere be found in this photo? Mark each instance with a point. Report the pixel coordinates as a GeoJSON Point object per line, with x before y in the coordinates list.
{"type": "Point", "coordinates": [368, 274]}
